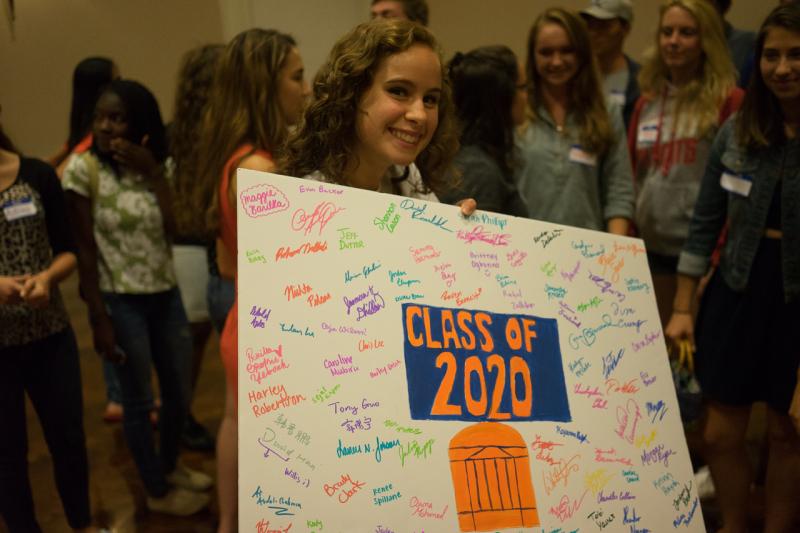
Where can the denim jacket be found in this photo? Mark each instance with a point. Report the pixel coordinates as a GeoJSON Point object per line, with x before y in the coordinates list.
{"type": "Point", "coordinates": [746, 214]}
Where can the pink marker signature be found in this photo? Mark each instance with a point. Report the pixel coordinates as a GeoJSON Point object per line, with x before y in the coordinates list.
{"type": "Point", "coordinates": [322, 214]}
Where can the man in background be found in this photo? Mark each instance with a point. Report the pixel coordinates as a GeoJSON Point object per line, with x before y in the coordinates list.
{"type": "Point", "coordinates": [741, 43]}
{"type": "Point", "coordinates": [413, 10]}
{"type": "Point", "coordinates": [609, 23]}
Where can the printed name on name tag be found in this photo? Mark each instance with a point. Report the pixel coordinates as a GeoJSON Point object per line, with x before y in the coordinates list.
{"type": "Point", "coordinates": [19, 209]}
{"type": "Point", "coordinates": [648, 132]}
{"type": "Point", "coordinates": [736, 183]}
{"type": "Point", "coordinates": [579, 155]}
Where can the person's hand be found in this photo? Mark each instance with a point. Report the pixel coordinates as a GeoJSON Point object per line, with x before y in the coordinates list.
{"type": "Point", "coordinates": [36, 290]}
{"type": "Point", "coordinates": [680, 329]}
{"type": "Point", "coordinates": [794, 407]}
{"type": "Point", "coordinates": [468, 206]}
{"type": "Point", "coordinates": [137, 157]}
{"type": "Point", "coordinates": [11, 289]}
{"type": "Point", "coordinates": [104, 341]}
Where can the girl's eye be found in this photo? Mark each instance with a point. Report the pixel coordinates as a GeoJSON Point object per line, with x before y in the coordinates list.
{"type": "Point", "coordinates": [397, 91]}
{"type": "Point", "coordinates": [770, 55]}
{"type": "Point", "coordinates": [688, 32]}
{"type": "Point", "coordinates": [432, 100]}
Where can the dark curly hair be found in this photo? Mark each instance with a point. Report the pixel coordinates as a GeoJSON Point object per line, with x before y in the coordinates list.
{"type": "Point", "coordinates": [484, 87]}
{"type": "Point", "coordinates": [191, 97]}
{"type": "Point", "coordinates": [326, 138]}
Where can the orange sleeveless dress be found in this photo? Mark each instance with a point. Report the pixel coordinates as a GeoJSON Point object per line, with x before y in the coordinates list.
{"type": "Point", "coordinates": [229, 338]}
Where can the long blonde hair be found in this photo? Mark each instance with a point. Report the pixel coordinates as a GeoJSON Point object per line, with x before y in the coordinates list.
{"type": "Point", "coordinates": [587, 102]}
{"type": "Point", "coordinates": [702, 97]}
{"type": "Point", "coordinates": [242, 108]}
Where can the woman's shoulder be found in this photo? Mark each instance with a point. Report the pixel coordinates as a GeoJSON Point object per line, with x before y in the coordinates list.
{"type": "Point", "coordinates": [258, 160]}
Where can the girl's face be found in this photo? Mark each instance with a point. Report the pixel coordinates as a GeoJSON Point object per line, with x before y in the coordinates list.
{"type": "Point", "coordinates": [555, 56]}
{"type": "Point", "coordinates": [679, 40]}
{"type": "Point", "coordinates": [110, 121]}
{"type": "Point", "coordinates": [780, 65]}
{"type": "Point", "coordinates": [293, 89]}
{"type": "Point", "coordinates": [520, 102]}
{"type": "Point", "coordinates": [399, 113]}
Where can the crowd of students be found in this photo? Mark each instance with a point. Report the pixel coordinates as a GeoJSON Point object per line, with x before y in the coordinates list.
{"type": "Point", "coordinates": [577, 134]}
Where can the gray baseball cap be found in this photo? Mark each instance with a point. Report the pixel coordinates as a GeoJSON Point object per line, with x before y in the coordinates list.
{"type": "Point", "coordinates": [610, 9]}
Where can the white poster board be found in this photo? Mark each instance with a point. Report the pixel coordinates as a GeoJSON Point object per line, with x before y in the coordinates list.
{"type": "Point", "coordinates": [403, 369]}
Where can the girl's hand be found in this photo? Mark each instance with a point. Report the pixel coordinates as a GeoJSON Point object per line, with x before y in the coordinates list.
{"type": "Point", "coordinates": [11, 289]}
{"type": "Point", "coordinates": [468, 206]}
{"type": "Point", "coordinates": [679, 328]}
{"type": "Point", "coordinates": [36, 290]}
{"type": "Point", "coordinates": [105, 344]}
{"type": "Point", "coordinates": [137, 157]}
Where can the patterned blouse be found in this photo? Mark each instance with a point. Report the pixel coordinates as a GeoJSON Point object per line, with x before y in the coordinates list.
{"type": "Point", "coordinates": [133, 253]}
{"type": "Point", "coordinates": [33, 230]}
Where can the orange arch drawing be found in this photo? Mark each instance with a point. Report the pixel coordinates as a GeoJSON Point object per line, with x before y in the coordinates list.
{"type": "Point", "coordinates": [491, 473]}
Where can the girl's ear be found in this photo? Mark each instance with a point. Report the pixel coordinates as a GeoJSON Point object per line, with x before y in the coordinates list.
{"type": "Point", "coordinates": [145, 139]}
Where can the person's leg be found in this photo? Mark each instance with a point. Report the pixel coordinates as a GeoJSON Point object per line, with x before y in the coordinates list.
{"type": "Point", "coordinates": [16, 500]}
{"type": "Point", "coordinates": [221, 294]}
{"type": "Point", "coordinates": [724, 439]}
{"type": "Point", "coordinates": [171, 344]}
{"type": "Point", "coordinates": [783, 474]}
{"type": "Point", "coordinates": [54, 387]}
{"type": "Point", "coordinates": [129, 316]}
{"type": "Point", "coordinates": [228, 465]}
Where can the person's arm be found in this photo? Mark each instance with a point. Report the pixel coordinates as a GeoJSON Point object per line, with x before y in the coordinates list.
{"type": "Point", "coordinates": [618, 225]}
{"type": "Point", "coordinates": [616, 180]}
{"type": "Point", "coordinates": [36, 287]}
{"type": "Point", "coordinates": [79, 209]}
{"type": "Point", "coordinates": [681, 324]}
{"type": "Point", "coordinates": [226, 260]}
{"type": "Point", "coordinates": [707, 220]}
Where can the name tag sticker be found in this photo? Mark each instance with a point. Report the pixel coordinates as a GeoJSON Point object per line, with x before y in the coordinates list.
{"type": "Point", "coordinates": [736, 183]}
{"type": "Point", "coordinates": [648, 132]}
{"type": "Point", "coordinates": [617, 97]}
{"type": "Point", "coordinates": [579, 155]}
{"type": "Point", "coordinates": [19, 209]}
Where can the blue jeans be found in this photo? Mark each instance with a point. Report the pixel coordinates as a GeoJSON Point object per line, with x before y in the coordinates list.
{"type": "Point", "coordinates": [220, 294]}
{"type": "Point", "coordinates": [152, 331]}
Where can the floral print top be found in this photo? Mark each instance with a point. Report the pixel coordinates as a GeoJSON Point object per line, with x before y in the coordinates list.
{"type": "Point", "coordinates": [133, 253]}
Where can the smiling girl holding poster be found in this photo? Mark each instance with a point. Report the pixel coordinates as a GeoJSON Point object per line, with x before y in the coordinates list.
{"type": "Point", "coordinates": [746, 328]}
{"type": "Point", "coordinates": [382, 116]}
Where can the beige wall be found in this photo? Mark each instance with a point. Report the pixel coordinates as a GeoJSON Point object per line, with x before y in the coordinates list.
{"type": "Point", "coordinates": [483, 22]}
{"type": "Point", "coordinates": [146, 38]}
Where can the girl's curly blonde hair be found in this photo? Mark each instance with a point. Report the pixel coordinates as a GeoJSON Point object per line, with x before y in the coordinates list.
{"type": "Point", "coordinates": [326, 138]}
